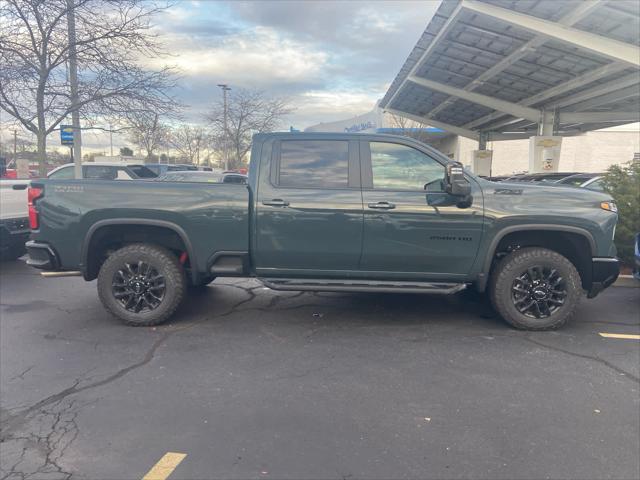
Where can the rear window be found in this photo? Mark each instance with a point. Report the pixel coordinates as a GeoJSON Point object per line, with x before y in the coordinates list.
{"type": "Point", "coordinates": [598, 186]}
{"type": "Point", "coordinates": [98, 172]}
{"type": "Point", "coordinates": [314, 163]}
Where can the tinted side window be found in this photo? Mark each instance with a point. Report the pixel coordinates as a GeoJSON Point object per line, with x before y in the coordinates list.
{"type": "Point", "coordinates": [399, 167]}
{"type": "Point", "coordinates": [314, 163]}
{"type": "Point", "coordinates": [123, 174]}
{"type": "Point", "coordinates": [66, 172]}
{"type": "Point", "coordinates": [100, 173]}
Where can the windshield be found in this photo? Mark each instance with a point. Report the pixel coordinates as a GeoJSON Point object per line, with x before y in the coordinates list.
{"type": "Point", "coordinates": [575, 180]}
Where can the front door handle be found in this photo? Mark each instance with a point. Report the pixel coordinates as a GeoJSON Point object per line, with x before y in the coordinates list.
{"type": "Point", "coordinates": [276, 202]}
{"type": "Point", "coordinates": [382, 206]}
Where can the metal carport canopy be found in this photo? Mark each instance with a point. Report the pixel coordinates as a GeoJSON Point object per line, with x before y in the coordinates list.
{"type": "Point", "coordinates": [517, 68]}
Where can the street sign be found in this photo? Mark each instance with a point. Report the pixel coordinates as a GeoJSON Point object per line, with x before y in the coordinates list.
{"type": "Point", "coordinates": [66, 135]}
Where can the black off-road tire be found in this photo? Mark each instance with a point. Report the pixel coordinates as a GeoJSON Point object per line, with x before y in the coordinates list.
{"type": "Point", "coordinates": [161, 260]}
{"type": "Point", "coordinates": [516, 264]}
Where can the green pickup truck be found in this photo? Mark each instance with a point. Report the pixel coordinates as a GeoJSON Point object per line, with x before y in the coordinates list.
{"type": "Point", "coordinates": [331, 212]}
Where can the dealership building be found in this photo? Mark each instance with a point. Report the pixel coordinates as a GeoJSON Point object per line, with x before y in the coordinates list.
{"type": "Point", "coordinates": [592, 151]}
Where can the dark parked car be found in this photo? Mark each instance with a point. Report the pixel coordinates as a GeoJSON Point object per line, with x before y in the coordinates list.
{"type": "Point", "coordinates": [591, 181]}
{"type": "Point", "coordinates": [203, 177]}
{"type": "Point", "coordinates": [550, 177]}
{"type": "Point", "coordinates": [636, 269]}
{"type": "Point", "coordinates": [331, 212]}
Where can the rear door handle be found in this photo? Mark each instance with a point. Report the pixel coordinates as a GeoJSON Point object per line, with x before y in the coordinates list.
{"type": "Point", "coordinates": [382, 206]}
{"type": "Point", "coordinates": [276, 202]}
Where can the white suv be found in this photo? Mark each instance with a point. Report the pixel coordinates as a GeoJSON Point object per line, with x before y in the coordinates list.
{"type": "Point", "coordinates": [103, 171]}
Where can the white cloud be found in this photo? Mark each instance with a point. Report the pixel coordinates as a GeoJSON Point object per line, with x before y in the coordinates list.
{"type": "Point", "coordinates": [258, 57]}
{"type": "Point", "coordinates": [325, 106]}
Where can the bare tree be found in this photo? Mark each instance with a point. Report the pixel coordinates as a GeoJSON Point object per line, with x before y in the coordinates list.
{"type": "Point", "coordinates": [410, 128]}
{"type": "Point", "coordinates": [147, 132]}
{"type": "Point", "coordinates": [111, 36]}
{"type": "Point", "coordinates": [190, 141]}
{"type": "Point", "coordinates": [248, 112]}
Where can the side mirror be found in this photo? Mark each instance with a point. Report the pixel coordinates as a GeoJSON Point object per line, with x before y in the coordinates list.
{"type": "Point", "coordinates": [455, 181]}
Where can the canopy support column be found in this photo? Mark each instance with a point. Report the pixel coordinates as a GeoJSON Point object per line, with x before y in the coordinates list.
{"type": "Point", "coordinates": [544, 148]}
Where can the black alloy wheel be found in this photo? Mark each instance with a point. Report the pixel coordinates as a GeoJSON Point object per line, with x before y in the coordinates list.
{"type": "Point", "coordinates": [535, 288]}
{"type": "Point", "coordinates": [138, 287]}
{"type": "Point", "coordinates": [539, 292]}
{"type": "Point", "coordinates": [142, 284]}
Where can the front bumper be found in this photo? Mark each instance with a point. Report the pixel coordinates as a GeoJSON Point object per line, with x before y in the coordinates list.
{"type": "Point", "coordinates": [605, 271]}
{"type": "Point", "coordinates": [42, 256]}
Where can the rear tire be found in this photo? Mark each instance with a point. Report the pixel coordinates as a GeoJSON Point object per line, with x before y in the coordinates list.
{"type": "Point", "coordinates": [535, 289]}
{"type": "Point", "coordinates": [141, 284]}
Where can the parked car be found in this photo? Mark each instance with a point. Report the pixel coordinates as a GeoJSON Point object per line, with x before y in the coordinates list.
{"type": "Point", "coordinates": [203, 177]}
{"type": "Point", "coordinates": [549, 177]}
{"type": "Point", "coordinates": [162, 168]}
{"type": "Point", "coordinates": [636, 268]}
{"type": "Point", "coordinates": [331, 212]}
{"type": "Point", "coordinates": [499, 178]}
{"type": "Point", "coordinates": [103, 171]}
{"type": "Point", "coordinates": [14, 218]}
{"type": "Point", "coordinates": [591, 181]}
{"type": "Point", "coordinates": [237, 178]}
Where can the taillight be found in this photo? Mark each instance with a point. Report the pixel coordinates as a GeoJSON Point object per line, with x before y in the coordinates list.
{"type": "Point", "coordinates": [32, 195]}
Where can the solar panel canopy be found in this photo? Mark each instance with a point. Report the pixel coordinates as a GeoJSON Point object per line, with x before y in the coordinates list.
{"type": "Point", "coordinates": [516, 68]}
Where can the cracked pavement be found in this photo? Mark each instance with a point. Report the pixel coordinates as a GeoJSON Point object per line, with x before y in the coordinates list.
{"type": "Point", "coordinates": [301, 385]}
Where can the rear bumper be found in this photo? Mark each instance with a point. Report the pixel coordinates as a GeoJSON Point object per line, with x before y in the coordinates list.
{"type": "Point", "coordinates": [605, 271]}
{"type": "Point", "coordinates": [14, 233]}
{"type": "Point", "coordinates": [42, 256]}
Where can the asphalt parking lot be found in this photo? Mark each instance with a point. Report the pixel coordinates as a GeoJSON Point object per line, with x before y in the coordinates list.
{"type": "Point", "coordinates": [251, 383]}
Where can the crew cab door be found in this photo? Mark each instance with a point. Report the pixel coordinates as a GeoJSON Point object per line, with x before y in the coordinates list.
{"type": "Point", "coordinates": [309, 208]}
{"type": "Point", "coordinates": [411, 225]}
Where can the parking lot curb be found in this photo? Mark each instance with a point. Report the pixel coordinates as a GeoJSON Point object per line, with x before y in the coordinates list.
{"type": "Point", "coordinates": [626, 281]}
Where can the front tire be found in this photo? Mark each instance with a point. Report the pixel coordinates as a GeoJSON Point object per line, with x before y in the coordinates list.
{"type": "Point", "coordinates": [536, 289]}
{"type": "Point", "coordinates": [141, 284]}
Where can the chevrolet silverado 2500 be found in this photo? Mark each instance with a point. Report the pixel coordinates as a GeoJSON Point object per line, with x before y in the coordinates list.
{"type": "Point", "coordinates": [331, 212]}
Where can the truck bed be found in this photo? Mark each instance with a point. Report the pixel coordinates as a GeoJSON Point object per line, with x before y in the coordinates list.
{"type": "Point", "coordinates": [210, 218]}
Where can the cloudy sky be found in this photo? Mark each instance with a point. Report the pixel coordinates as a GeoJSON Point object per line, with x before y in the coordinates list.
{"type": "Point", "coordinates": [332, 59]}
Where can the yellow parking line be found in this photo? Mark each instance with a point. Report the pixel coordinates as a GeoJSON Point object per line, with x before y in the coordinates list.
{"type": "Point", "coordinates": [165, 466]}
{"type": "Point", "coordinates": [620, 335]}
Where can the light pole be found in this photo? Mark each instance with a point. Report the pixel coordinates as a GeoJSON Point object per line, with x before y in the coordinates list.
{"type": "Point", "coordinates": [225, 88]}
{"type": "Point", "coordinates": [73, 81]}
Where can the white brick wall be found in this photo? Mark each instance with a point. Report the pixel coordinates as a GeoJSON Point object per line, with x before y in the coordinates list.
{"type": "Point", "coordinates": [591, 152]}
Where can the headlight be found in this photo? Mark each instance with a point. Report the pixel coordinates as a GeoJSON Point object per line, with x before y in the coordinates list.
{"type": "Point", "coordinates": [610, 206]}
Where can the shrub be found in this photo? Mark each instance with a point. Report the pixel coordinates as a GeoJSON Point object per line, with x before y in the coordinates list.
{"type": "Point", "coordinates": [623, 183]}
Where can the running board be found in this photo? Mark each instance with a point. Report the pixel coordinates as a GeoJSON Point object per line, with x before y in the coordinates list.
{"type": "Point", "coordinates": [323, 285]}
